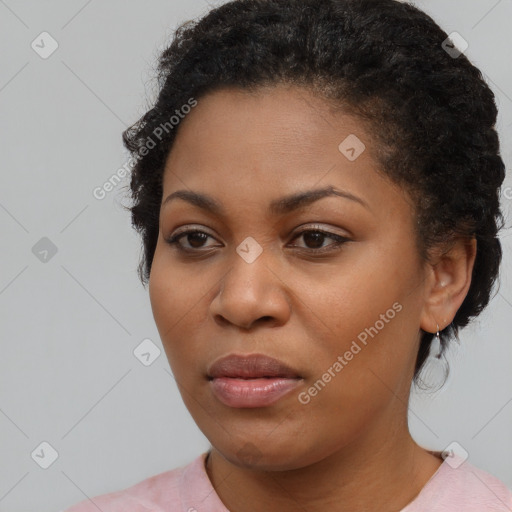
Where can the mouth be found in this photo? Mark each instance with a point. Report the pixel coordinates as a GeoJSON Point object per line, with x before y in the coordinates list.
{"type": "Point", "coordinates": [251, 381]}
{"type": "Point", "coordinates": [253, 366]}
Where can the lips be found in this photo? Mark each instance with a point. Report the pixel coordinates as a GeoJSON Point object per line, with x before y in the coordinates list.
{"type": "Point", "coordinates": [251, 381]}
{"type": "Point", "coordinates": [254, 366]}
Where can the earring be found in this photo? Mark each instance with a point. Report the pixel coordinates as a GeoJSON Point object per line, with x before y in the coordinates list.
{"type": "Point", "coordinates": [438, 339]}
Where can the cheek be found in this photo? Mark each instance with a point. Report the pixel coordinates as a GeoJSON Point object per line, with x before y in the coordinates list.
{"type": "Point", "coordinates": [164, 289]}
{"type": "Point", "coordinates": [174, 290]}
{"type": "Point", "coordinates": [350, 297]}
{"type": "Point", "coordinates": [371, 312]}
{"type": "Point", "coordinates": [176, 304]}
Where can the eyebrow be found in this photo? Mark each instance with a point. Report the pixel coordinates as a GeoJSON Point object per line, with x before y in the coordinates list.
{"type": "Point", "coordinates": [279, 206]}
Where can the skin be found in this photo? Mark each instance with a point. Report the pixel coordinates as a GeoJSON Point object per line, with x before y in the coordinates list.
{"type": "Point", "coordinates": [349, 447]}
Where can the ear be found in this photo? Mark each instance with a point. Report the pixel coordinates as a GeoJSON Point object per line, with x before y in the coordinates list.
{"type": "Point", "coordinates": [448, 280]}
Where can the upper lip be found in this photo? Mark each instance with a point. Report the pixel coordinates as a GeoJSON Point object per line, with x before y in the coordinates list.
{"type": "Point", "coordinates": [250, 367]}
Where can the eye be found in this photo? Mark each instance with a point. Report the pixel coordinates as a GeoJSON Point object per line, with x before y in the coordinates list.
{"type": "Point", "coordinates": [195, 238]}
{"type": "Point", "coordinates": [316, 237]}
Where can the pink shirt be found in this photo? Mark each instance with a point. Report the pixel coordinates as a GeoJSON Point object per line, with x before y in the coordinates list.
{"type": "Point", "coordinates": [188, 489]}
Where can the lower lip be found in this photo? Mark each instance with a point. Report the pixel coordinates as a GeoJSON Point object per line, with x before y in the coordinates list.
{"type": "Point", "coordinates": [251, 392]}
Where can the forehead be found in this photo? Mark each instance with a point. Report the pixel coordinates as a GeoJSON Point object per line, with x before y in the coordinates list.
{"type": "Point", "coordinates": [258, 146]}
{"type": "Point", "coordinates": [282, 119]}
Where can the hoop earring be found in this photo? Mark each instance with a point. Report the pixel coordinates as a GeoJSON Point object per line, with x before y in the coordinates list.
{"type": "Point", "coordinates": [438, 339]}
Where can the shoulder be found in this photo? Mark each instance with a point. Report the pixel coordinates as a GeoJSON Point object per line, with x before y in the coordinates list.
{"type": "Point", "coordinates": [475, 486]}
{"type": "Point", "coordinates": [153, 494]}
{"type": "Point", "coordinates": [458, 485]}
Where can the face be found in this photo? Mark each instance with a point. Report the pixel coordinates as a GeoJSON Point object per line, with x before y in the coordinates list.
{"type": "Point", "coordinates": [330, 286]}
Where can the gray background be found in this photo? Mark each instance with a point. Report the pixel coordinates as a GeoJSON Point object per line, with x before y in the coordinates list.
{"type": "Point", "coordinates": [70, 324]}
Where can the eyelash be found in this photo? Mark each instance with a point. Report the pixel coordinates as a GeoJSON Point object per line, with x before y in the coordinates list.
{"type": "Point", "coordinates": [338, 241]}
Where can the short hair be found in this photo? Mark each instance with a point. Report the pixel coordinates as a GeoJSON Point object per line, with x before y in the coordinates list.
{"type": "Point", "coordinates": [429, 111]}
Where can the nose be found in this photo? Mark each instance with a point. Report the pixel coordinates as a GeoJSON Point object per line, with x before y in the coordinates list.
{"type": "Point", "coordinates": [252, 293]}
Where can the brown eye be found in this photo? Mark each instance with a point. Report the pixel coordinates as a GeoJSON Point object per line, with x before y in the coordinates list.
{"type": "Point", "coordinates": [194, 237]}
{"type": "Point", "coordinates": [314, 239]}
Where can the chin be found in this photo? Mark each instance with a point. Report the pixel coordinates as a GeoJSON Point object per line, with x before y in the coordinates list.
{"type": "Point", "coordinates": [263, 456]}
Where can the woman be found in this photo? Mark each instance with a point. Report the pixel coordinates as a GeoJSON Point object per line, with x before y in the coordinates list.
{"type": "Point", "coordinates": [317, 191]}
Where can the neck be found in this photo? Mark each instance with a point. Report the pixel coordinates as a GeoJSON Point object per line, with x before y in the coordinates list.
{"type": "Point", "coordinates": [355, 477]}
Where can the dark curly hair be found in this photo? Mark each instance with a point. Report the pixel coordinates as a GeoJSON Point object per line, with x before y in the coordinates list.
{"type": "Point", "coordinates": [430, 112]}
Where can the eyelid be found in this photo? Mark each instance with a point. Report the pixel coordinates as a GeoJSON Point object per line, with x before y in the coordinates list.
{"type": "Point", "coordinates": [303, 227]}
{"type": "Point", "coordinates": [181, 232]}
{"type": "Point", "coordinates": [320, 227]}
{"type": "Point", "coordinates": [190, 227]}
{"type": "Point", "coordinates": [337, 239]}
